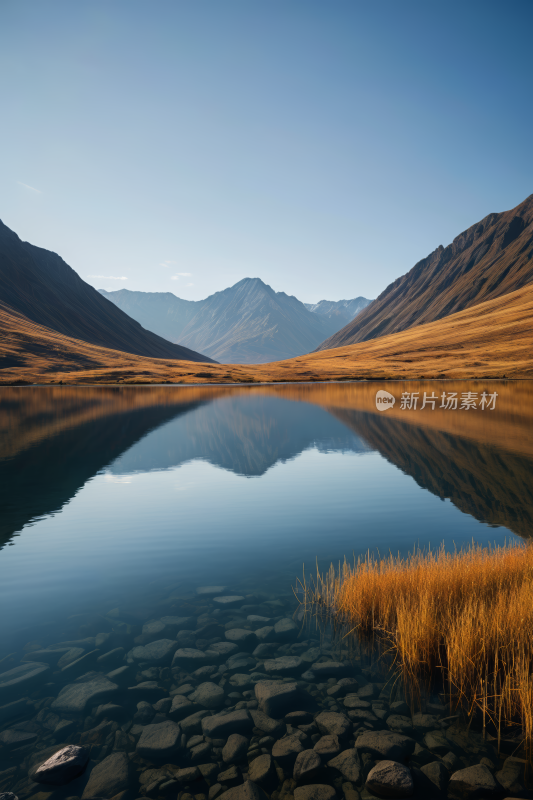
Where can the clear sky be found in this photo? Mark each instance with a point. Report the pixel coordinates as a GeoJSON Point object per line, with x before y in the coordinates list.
{"type": "Point", "coordinates": [324, 147]}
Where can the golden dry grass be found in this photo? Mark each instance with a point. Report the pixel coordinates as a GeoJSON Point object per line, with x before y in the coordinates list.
{"type": "Point", "coordinates": [493, 339]}
{"type": "Point", "coordinates": [461, 621]}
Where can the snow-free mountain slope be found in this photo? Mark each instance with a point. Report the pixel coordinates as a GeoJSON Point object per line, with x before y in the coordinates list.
{"type": "Point", "coordinates": [490, 259]}
{"type": "Point", "coordinates": [39, 285]}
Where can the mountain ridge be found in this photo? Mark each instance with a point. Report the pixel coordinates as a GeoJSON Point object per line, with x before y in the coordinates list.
{"type": "Point", "coordinates": [245, 323]}
{"type": "Point", "coordinates": [41, 286]}
{"type": "Point", "coordinates": [489, 259]}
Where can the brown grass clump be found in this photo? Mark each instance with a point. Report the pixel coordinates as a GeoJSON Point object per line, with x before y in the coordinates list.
{"type": "Point", "coordinates": [461, 622]}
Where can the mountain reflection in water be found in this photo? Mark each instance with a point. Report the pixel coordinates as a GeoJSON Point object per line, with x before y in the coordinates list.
{"type": "Point", "coordinates": [53, 440]}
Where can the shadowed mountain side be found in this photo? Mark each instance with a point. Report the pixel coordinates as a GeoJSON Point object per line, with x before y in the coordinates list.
{"type": "Point", "coordinates": [246, 435]}
{"type": "Point", "coordinates": [41, 286]}
{"type": "Point", "coordinates": [248, 323]}
{"type": "Point", "coordinates": [491, 485]}
{"type": "Point", "coordinates": [488, 260]}
{"type": "Point", "coordinates": [491, 340]}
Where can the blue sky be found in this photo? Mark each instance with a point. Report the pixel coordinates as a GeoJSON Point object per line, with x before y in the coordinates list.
{"type": "Point", "coordinates": [324, 147]}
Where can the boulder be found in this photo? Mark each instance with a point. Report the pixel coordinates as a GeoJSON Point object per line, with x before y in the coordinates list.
{"type": "Point", "coordinates": [181, 707]}
{"type": "Point", "coordinates": [87, 690]}
{"type": "Point", "coordinates": [160, 741]}
{"type": "Point", "coordinates": [333, 723]}
{"type": "Point", "coordinates": [63, 766]}
{"type": "Point", "coordinates": [22, 680]}
{"type": "Point", "coordinates": [229, 601]}
{"type": "Point", "coordinates": [400, 724]}
{"type": "Point", "coordinates": [286, 749]}
{"type": "Point", "coordinates": [261, 769]}
{"type": "Point", "coordinates": [385, 745]}
{"type": "Point", "coordinates": [285, 630]}
{"type": "Point", "coordinates": [208, 695]}
{"type": "Point", "coordinates": [235, 748]}
{"type": "Point", "coordinates": [307, 765]}
{"type": "Point", "coordinates": [285, 665]}
{"type": "Point", "coordinates": [276, 699]}
{"type": "Point", "coordinates": [348, 764]}
{"type": "Point", "coordinates": [437, 742]}
{"type": "Point", "coordinates": [108, 778]}
{"type": "Point", "coordinates": [315, 791]}
{"type": "Point", "coordinates": [511, 776]}
{"type": "Point", "coordinates": [327, 747]}
{"type": "Point", "coordinates": [193, 724]}
{"type": "Point", "coordinates": [474, 783]}
{"type": "Point", "coordinates": [269, 726]}
{"type": "Point", "coordinates": [437, 773]}
{"type": "Point", "coordinates": [220, 726]}
{"type": "Point", "coordinates": [332, 669]}
{"type": "Point", "coordinates": [189, 659]}
{"type": "Point", "coordinates": [246, 791]}
{"type": "Point", "coordinates": [15, 737]}
{"type": "Point", "coordinates": [241, 637]}
{"type": "Point", "coordinates": [390, 779]}
{"type": "Point", "coordinates": [156, 654]}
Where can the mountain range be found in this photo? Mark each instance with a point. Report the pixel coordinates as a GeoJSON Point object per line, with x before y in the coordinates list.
{"type": "Point", "coordinates": [40, 286]}
{"type": "Point", "coordinates": [488, 260]}
{"type": "Point", "coordinates": [248, 323]}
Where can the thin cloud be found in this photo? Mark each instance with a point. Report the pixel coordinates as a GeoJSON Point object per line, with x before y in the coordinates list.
{"type": "Point", "coordinates": [27, 186]}
{"type": "Point", "coordinates": [167, 263]}
{"type": "Point", "coordinates": [179, 275]}
{"type": "Point", "coordinates": [190, 284]}
{"type": "Point", "coordinates": [107, 277]}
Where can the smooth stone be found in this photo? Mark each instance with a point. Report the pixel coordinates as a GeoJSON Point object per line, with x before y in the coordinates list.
{"type": "Point", "coordinates": [87, 690]}
{"type": "Point", "coordinates": [208, 771]}
{"type": "Point", "coordinates": [63, 766]}
{"type": "Point", "coordinates": [400, 724]}
{"type": "Point", "coordinates": [307, 765]}
{"type": "Point", "coordinates": [284, 665]}
{"type": "Point", "coordinates": [286, 630]}
{"type": "Point", "coordinates": [276, 698]}
{"type": "Point", "coordinates": [285, 750]}
{"type": "Point", "coordinates": [390, 779]}
{"type": "Point", "coordinates": [164, 705]}
{"type": "Point", "coordinates": [327, 747]}
{"type": "Point", "coordinates": [13, 738]}
{"type": "Point", "coordinates": [181, 707]}
{"type": "Point", "coordinates": [369, 692]}
{"type": "Point", "coordinates": [14, 709]}
{"type": "Point", "coordinates": [424, 722]}
{"type": "Point", "coordinates": [235, 748]}
{"type": "Point", "coordinates": [247, 791]}
{"type": "Point", "coordinates": [240, 636]}
{"type": "Point", "coordinates": [22, 680]}
{"type": "Point", "coordinates": [193, 723]}
{"type": "Point", "coordinates": [511, 775]}
{"type": "Point", "coordinates": [473, 783]}
{"type": "Point", "coordinates": [265, 650]}
{"type": "Point", "coordinates": [437, 773]}
{"type": "Point", "coordinates": [353, 701]}
{"type": "Point", "coordinates": [437, 742]}
{"type": "Point", "coordinates": [108, 778]}
{"type": "Point", "coordinates": [113, 658]}
{"type": "Point", "coordinates": [188, 658]}
{"type": "Point", "coordinates": [348, 764]}
{"type": "Point", "coordinates": [159, 741]}
{"type": "Point", "coordinates": [144, 714]}
{"type": "Point", "coordinates": [229, 601]}
{"type": "Point", "coordinates": [121, 676]}
{"type": "Point", "coordinates": [147, 690]}
{"type": "Point", "coordinates": [224, 649]}
{"type": "Point", "coordinates": [208, 695]}
{"type": "Point", "coordinates": [229, 775]}
{"type": "Point", "coordinates": [241, 680]}
{"type": "Point", "coordinates": [298, 718]}
{"type": "Point", "coordinates": [400, 707]}
{"type": "Point", "coordinates": [385, 745]}
{"type": "Point", "coordinates": [187, 775]}
{"type": "Point", "coordinates": [211, 590]}
{"type": "Point", "coordinates": [158, 653]}
{"type": "Point", "coordinates": [347, 685]}
{"type": "Point", "coordinates": [315, 791]}
{"type": "Point", "coordinates": [261, 769]}
{"type": "Point", "coordinates": [331, 669]}
{"type": "Point", "coordinates": [200, 752]}
{"type": "Point", "coordinates": [269, 726]}
{"type": "Point", "coordinates": [334, 723]}
{"type": "Point", "coordinates": [256, 618]}
{"type": "Point", "coordinates": [266, 634]}
{"type": "Point", "coordinates": [221, 726]}
{"type": "Point", "coordinates": [50, 657]}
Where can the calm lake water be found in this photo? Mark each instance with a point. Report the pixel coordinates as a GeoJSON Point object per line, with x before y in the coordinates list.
{"type": "Point", "coordinates": [118, 503]}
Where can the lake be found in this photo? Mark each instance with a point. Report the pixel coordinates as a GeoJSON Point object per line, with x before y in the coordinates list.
{"type": "Point", "coordinates": [119, 504]}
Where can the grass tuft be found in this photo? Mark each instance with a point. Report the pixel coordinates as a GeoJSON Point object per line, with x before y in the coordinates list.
{"type": "Point", "coordinates": [460, 621]}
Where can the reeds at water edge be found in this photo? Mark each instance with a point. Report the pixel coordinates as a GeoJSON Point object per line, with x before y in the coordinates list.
{"type": "Point", "coordinates": [460, 621]}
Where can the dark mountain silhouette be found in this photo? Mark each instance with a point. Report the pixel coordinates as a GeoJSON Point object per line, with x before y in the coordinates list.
{"type": "Point", "coordinates": [39, 285]}
{"type": "Point", "coordinates": [249, 323]}
{"type": "Point", "coordinates": [492, 258]}
{"type": "Point", "coordinates": [341, 311]}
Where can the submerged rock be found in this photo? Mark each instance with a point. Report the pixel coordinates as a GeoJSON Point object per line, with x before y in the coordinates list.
{"type": "Point", "coordinates": [22, 680]}
{"type": "Point", "coordinates": [307, 765]}
{"type": "Point", "coordinates": [87, 690]}
{"type": "Point", "coordinates": [390, 779]}
{"type": "Point", "coordinates": [315, 791]}
{"type": "Point", "coordinates": [108, 778]}
{"type": "Point", "coordinates": [247, 791]}
{"type": "Point", "coordinates": [473, 783]}
{"type": "Point", "coordinates": [385, 745]}
{"type": "Point", "coordinates": [63, 766]}
{"type": "Point", "coordinates": [276, 699]}
{"type": "Point", "coordinates": [159, 741]}
{"type": "Point", "coordinates": [222, 725]}
{"type": "Point", "coordinates": [235, 748]}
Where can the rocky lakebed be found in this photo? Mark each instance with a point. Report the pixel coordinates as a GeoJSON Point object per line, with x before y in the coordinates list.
{"type": "Point", "coordinates": [222, 694]}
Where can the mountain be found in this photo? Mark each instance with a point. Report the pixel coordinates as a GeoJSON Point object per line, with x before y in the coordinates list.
{"type": "Point", "coordinates": [39, 285]}
{"type": "Point", "coordinates": [493, 339]}
{"type": "Point", "coordinates": [249, 323]}
{"type": "Point", "coordinates": [490, 259]}
{"type": "Point", "coordinates": [342, 311]}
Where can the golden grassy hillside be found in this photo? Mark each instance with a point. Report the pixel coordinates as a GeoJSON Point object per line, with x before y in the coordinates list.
{"type": "Point", "coordinates": [493, 339]}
